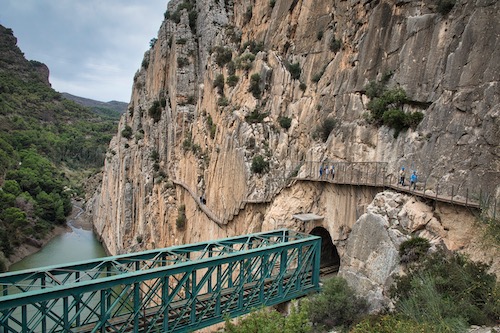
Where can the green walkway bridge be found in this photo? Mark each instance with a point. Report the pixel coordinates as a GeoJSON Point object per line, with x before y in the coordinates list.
{"type": "Point", "coordinates": [176, 289]}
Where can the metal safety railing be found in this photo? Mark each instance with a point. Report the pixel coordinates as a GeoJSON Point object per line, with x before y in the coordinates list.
{"type": "Point", "coordinates": [176, 289]}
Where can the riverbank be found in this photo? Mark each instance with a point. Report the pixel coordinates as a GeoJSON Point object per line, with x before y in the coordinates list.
{"type": "Point", "coordinates": [77, 219]}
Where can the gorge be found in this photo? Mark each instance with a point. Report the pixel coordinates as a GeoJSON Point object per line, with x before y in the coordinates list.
{"type": "Point", "coordinates": [236, 98]}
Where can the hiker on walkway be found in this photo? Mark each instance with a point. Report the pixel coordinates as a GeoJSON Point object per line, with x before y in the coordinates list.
{"type": "Point", "coordinates": [332, 171]}
{"type": "Point", "coordinates": [320, 171]}
{"type": "Point", "coordinates": [413, 179]}
{"type": "Point", "coordinates": [327, 172]}
{"type": "Point", "coordinates": [402, 176]}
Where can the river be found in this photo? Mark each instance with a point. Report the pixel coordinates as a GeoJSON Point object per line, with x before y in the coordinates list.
{"type": "Point", "coordinates": [75, 245]}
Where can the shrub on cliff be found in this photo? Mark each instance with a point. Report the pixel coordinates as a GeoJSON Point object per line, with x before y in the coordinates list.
{"type": "Point", "coordinates": [335, 44]}
{"type": "Point", "coordinates": [295, 70]}
{"type": "Point", "coordinates": [219, 83]}
{"type": "Point", "coordinates": [180, 222]}
{"type": "Point", "coordinates": [182, 62]}
{"type": "Point", "coordinates": [223, 55]}
{"type": "Point", "coordinates": [259, 165]}
{"type": "Point", "coordinates": [285, 122]}
{"type": "Point", "coordinates": [413, 249]}
{"type": "Point", "coordinates": [336, 306]}
{"type": "Point", "coordinates": [448, 289]}
{"type": "Point", "coordinates": [445, 6]}
{"type": "Point", "coordinates": [325, 128]}
{"type": "Point", "coordinates": [155, 111]}
{"type": "Point", "coordinates": [127, 132]}
{"type": "Point", "coordinates": [255, 86]}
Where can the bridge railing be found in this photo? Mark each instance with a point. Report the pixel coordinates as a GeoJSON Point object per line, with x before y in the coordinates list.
{"type": "Point", "coordinates": [197, 286]}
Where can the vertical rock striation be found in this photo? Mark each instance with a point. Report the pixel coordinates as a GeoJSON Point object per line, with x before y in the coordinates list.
{"type": "Point", "coordinates": [232, 99]}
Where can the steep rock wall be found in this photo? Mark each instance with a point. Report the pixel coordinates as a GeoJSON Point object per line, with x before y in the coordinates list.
{"type": "Point", "coordinates": [187, 129]}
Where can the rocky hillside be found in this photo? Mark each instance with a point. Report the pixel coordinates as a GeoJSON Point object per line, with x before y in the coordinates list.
{"type": "Point", "coordinates": [111, 109]}
{"type": "Point", "coordinates": [236, 96]}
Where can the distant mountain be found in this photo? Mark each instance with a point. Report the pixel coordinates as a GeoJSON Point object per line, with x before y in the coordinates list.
{"type": "Point", "coordinates": [49, 147]}
{"type": "Point", "coordinates": [112, 109]}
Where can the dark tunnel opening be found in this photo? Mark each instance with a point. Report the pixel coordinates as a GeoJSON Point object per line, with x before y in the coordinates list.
{"type": "Point", "coordinates": [329, 256]}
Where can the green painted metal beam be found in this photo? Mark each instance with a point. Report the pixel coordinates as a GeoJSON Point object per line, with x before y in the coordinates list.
{"type": "Point", "coordinates": [223, 277]}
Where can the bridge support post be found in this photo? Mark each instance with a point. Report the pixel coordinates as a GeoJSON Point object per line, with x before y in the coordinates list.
{"type": "Point", "coordinates": [137, 305]}
{"type": "Point", "coordinates": [316, 264]}
{"type": "Point", "coordinates": [164, 302]}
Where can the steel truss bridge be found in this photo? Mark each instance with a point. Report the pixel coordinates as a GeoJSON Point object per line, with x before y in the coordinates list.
{"type": "Point", "coordinates": [176, 289]}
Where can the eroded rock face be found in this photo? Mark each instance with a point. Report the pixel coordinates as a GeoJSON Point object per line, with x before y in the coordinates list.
{"type": "Point", "coordinates": [371, 258]}
{"type": "Point", "coordinates": [187, 128]}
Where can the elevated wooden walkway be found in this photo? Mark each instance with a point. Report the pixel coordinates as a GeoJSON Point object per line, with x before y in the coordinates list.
{"type": "Point", "coordinates": [368, 174]}
{"type": "Point", "coordinates": [450, 199]}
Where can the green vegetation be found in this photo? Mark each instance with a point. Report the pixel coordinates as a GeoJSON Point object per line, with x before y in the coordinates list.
{"type": "Point", "coordinates": [247, 16]}
{"type": "Point", "coordinates": [127, 132]}
{"type": "Point", "coordinates": [285, 122]}
{"type": "Point", "coordinates": [335, 45]}
{"type": "Point", "coordinates": [392, 324]}
{"type": "Point", "coordinates": [154, 111]}
{"type": "Point", "coordinates": [336, 306]}
{"type": "Point", "coordinates": [271, 321]}
{"type": "Point", "coordinates": [316, 77]}
{"type": "Point", "coordinates": [259, 165]}
{"type": "Point", "coordinates": [232, 80]}
{"type": "Point", "coordinates": [211, 127]}
{"type": "Point", "coordinates": [253, 47]}
{"type": "Point", "coordinates": [181, 41]}
{"type": "Point", "coordinates": [182, 62]}
{"type": "Point", "coordinates": [294, 70]}
{"type": "Point", "coordinates": [48, 144]}
{"type": "Point", "coordinates": [325, 128]}
{"type": "Point", "coordinates": [222, 101]}
{"type": "Point", "coordinates": [189, 6]}
{"type": "Point", "coordinates": [445, 6]}
{"type": "Point", "coordinates": [33, 197]}
{"type": "Point", "coordinates": [219, 83]}
{"type": "Point", "coordinates": [441, 292]}
{"type": "Point", "coordinates": [256, 116]}
{"type": "Point", "coordinates": [386, 107]}
{"type": "Point", "coordinates": [180, 222]}
{"type": "Point", "coordinates": [302, 86]}
{"type": "Point", "coordinates": [449, 291]}
{"type": "Point", "coordinates": [413, 249]}
{"type": "Point", "coordinates": [223, 55]}
{"type": "Point", "coordinates": [245, 61]}
{"type": "Point", "coordinates": [255, 86]}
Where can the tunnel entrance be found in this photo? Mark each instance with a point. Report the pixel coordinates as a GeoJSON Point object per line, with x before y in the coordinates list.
{"type": "Point", "coordinates": [330, 259]}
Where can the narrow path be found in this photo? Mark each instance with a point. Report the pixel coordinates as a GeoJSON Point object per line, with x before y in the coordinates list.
{"type": "Point", "coordinates": [203, 207]}
{"type": "Point", "coordinates": [404, 189]}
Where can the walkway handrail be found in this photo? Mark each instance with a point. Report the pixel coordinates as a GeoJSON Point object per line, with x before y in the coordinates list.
{"type": "Point", "coordinates": [226, 277]}
{"type": "Point", "coordinates": [377, 174]}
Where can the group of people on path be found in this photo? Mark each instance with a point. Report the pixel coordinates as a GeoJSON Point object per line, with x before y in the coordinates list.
{"type": "Point", "coordinates": [413, 178]}
{"type": "Point", "coordinates": [327, 171]}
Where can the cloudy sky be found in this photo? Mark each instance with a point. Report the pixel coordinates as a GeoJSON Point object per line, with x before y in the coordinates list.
{"type": "Point", "coordinates": [92, 47]}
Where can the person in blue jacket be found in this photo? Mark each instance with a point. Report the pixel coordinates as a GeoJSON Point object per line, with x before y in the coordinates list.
{"type": "Point", "coordinates": [413, 179]}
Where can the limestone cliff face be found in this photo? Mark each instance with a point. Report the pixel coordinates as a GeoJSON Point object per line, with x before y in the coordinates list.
{"type": "Point", "coordinates": [198, 119]}
{"type": "Point", "coordinates": [370, 260]}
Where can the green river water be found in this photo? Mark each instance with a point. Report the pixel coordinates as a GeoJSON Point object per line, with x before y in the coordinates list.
{"type": "Point", "coordinates": [75, 245]}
